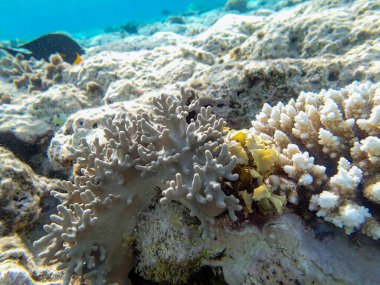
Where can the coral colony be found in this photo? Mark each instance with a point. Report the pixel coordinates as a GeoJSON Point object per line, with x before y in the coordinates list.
{"type": "Point", "coordinates": [324, 147]}
{"type": "Point", "coordinates": [117, 179]}
{"type": "Point", "coordinates": [329, 144]}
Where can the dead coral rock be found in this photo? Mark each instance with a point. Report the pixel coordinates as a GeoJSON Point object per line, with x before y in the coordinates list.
{"type": "Point", "coordinates": [35, 117]}
{"type": "Point", "coordinates": [19, 267]}
{"type": "Point", "coordinates": [122, 90]}
{"type": "Point", "coordinates": [21, 192]}
{"type": "Point", "coordinates": [282, 250]}
{"type": "Point", "coordinates": [165, 245]}
{"type": "Point", "coordinates": [285, 251]}
{"type": "Point", "coordinates": [148, 69]}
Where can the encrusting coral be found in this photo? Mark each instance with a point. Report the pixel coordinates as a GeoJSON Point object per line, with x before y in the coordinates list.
{"type": "Point", "coordinates": [256, 161]}
{"type": "Point", "coordinates": [91, 233]}
{"type": "Point", "coordinates": [329, 144]}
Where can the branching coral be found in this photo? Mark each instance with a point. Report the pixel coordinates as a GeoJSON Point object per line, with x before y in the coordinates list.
{"type": "Point", "coordinates": [329, 143]}
{"type": "Point", "coordinates": [115, 180]}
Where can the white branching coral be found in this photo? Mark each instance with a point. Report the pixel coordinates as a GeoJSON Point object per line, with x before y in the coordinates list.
{"type": "Point", "coordinates": [329, 143]}
{"type": "Point", "coordinates": [90, 236]}
{"type": "Point", "coordinates": [372, 192]}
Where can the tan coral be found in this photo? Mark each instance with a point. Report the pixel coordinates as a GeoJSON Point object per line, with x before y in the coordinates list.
{"type": "Point", "coordinates": [33, 75]}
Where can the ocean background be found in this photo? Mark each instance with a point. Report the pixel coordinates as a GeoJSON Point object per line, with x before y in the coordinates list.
{"type": "Point", "coordinates": [27, 19]}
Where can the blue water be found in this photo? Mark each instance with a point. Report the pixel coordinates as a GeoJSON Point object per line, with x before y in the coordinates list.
{"type": "Point", "coordinates": [27, 19]}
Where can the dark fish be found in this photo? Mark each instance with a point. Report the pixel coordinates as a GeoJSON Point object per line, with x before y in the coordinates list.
{"type": "Point", "coordinates": [44, 46]}
{"type": "Point", "coordinates": [165, 12]}
{"type": "Point", "coordinates": [130, 28]}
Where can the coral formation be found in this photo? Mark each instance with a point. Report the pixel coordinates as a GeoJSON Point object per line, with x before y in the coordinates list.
{"type": "Point", "coordinates": [87, 124]}
{"type": "Point", "coordinates": [115, 180]}
{"type": "Point", "coordinates": [171, 254]}
{"type": "Point", "coordinates": [329, 143]}
{"type": "Point", "coordinates": [34, 117]}
{"type": "Point", "coordinates": [339, 28]}
{"type": "Point", "coordinates": [20, 194]}
{"type": "Point", "coordinates": [17, 264]}
{"type": "Point", "coordinates": [31, 74]}
{"type": "Point", "coordinates": [247, 59]}
{"type": "Point", "coordinates": [256, 161]}
{"type": "Point", "coordinates": [121, 90]}
{"type": "Point", "coordinates": [284, 252]}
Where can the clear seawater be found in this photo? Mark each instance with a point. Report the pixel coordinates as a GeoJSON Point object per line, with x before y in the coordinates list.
{"type": "Point", "coordinates": [27, 19]}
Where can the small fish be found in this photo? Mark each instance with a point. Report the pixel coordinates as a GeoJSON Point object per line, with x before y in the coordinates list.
{"type": "Point", "coordinates": [46, 45]}
{"type": "Point", "coordinates": [130, 28]}
{"type": "Point", "coordinates": [165, 12]}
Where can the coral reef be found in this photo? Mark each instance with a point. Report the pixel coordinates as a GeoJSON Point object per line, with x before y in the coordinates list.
{"type": "Point", "coordinates": [329, 143]}
{"type": "Point", "coordinates": [167, 153]}
{"type": "Point", "coordinates": [339, 28]}
{"type": "Point", "coordinates": [247, 59]}
{"type": "Point", "coordinates": [324, 163]}
{"type": "Point", "coordinates": [115, 180]}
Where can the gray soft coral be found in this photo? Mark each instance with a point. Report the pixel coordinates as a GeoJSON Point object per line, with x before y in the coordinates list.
{"type": "Point", "coordinates": [98, 211]}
